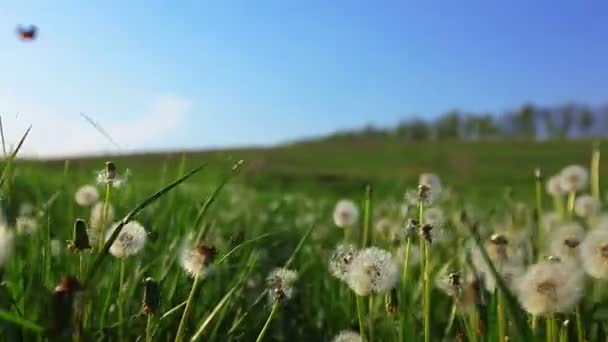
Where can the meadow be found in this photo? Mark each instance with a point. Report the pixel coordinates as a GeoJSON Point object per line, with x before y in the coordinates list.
{"type": "Point", "coordinates": [318, 241]}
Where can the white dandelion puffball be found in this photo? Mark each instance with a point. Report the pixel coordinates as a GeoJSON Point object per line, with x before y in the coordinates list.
{"type": "Point", "coordinates": [550, 287]}
{"type": "Point", "coordinates": [280, 283]}
{"type": "Point", "coordinates": [434, 216]}
{"type": "Point", "coordinates": [565, 241]}
{"type": "Point", "coordinates": [399, 255]}
{"type": "Point", "coordinates": [551, 220]}
{"type": "Point", "coordinates": [573, 178]}
{"type": "Point", "coordinates": [130, 240]}
{"type": "Point", "coordinates": [26, 225]}
{"type": "Point", "coordinates": [86, 196]}
{"type": "Point", "coordinates": [341, 259]}
{"type": "Point", "coordinates": [594, 253]}
{"type": "Point", "coordinates": [554, 186]}
{"type": "Point", "coordinates": [347, 336]}
{"type": "Point", "coordinates": [511, 273]}
{"type": "Point", "coordinates": [587, 206]}
{"type": "Point", "coordinates": [197, 260]}
{"type": "Point", "coordinates": [433, 182]}
{"type": "Point", "coordinates": [599, 221]}
{"type": "Point", "coordinates": [7, 239]}
{"type": "Point", "coordinates": [346, 213]}
{"type": "Point", "coordinates": [115, 180]}
{"type": "Point", "coordinates": [372, 271]}
{"type": "Point", "coordinates": [97, 215]}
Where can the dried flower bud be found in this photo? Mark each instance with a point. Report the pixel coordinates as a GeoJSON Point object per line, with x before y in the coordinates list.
{"type": "Point", "coordinates": [411, 227]}
{"type": "Point", "coordinates": [151, 297]}
{"type": "Point", "coordinates": [425, 232]}
{"type": "Point", "coordinates": [392, 302]}
{"type": "Point", "coordinates": [80, 240]}
{"type": "Point", "coordinates": [538, 175]}
{"type": "Point", "coordinates": [423, 192]}
{"type": "Point", "coordinates": [110, 170]}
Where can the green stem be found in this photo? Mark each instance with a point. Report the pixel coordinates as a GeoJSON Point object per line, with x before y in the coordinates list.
{"type": "Point", "coordinates": [595, 171]}
{"type": "Point", "coordinates": [406, 262]}
{"type": "Point", "coordinates": [580, 333]}
{"type": "Point", "coordinates": [179, 336]}
{"type": "Point", "coordinates": [539, 213]}
{"type": "Point", "coordinates": [360, 316]}
{"type": "Point", "coordinates": [367, 217]}
{"type": "Point", "coordinates": [550, 321]}
{"type": "Point", "coordinates": [501, 317]}
{"type": "Point", "coordinates": [273, 312]}
{"type": "Point", "coordinates": [558, 204]}
{"type": "Point", "coordinates": [571, 199]}
{"type": "Point", "coordinates": [427, 294]}
{"type": "Point", "coordinates": [121, 282]}
{"type": "Point", "coordinates": [80, 266]}
{"type": "Point", "coordinates": [149, 329]}
{"type": "Point", "coordinates": [104, 217]}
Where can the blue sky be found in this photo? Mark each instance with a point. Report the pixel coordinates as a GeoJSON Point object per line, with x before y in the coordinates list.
{"type": "Point", "coordinates": [162, 75]}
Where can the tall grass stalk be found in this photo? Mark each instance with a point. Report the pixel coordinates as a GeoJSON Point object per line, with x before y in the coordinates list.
{"type": "Point", "coordinates": [502, 322]}
{"type": "Point", "coordinates": [104, 216]}
{"type": "Point", "coordinates": [179, 335]}
{"type": "Point", "coordinates": [120, 299]}
{"type": "Point", "coordinates": [273, 312]}
{"type": "Point", "coordinates": [367, 218]}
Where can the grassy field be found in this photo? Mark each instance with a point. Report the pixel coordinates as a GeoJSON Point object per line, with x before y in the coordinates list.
{"type": "Point", "coordinates": [276, 210]}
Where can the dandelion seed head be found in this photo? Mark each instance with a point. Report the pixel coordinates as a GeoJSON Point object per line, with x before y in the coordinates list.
{"type": "Point", "coordinates": [594, 253]}
{"type": "Point", "coordinates": [566, 240]}
{"type": "Point", "coordinates": [130, 240]}
{"type": "Point", "coordinates": [399, 255]}
{"type": "Point", "coordinates": [341, 259]}
{"type": "Point", "coordinates": [346, 213]}
{"type": "Point", "coordinates": [434, 216]}
{"type": "Point", "coordinates": [550, 221]}
{"type": "Point", "coordinates": [573, 178]}
{"type": "Point", "coordinates": [347, 336]}
{"type": "Point", "coordinates": [372, 271]}
{"type": "Point", "coordinates": [281, 284]}
{"type": "Point", "coordinates": [86, 196]}
{"type": "Point", "coordinates": [511, 273]}
{"type": "Point", "coordinates": [97, 219]}
{"type": "Point", "coordinates": [554, 186]}
{"type": "Point", "coordinates": [587, 206]}
{"type": "Point", "coordinates": [197, 260]}
{"type": "Point", "coordinates": [550, 287]}
{"type": "Point", "coordinates": [433, 183]}
{"type": "Point", "coordinates": [26, 225]}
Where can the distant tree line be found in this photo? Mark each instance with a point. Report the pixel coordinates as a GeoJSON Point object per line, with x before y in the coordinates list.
{"type": "Point", "coordinates": [527, 122]}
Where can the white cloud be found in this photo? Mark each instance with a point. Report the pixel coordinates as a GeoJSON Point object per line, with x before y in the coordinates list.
{"type": "Point", "coordinates": [55, 134]}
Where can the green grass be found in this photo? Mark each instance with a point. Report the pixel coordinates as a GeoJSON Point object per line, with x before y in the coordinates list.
{"type": "Point", "coordinates": [260, 220]}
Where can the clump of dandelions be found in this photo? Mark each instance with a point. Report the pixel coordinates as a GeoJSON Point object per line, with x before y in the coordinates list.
{"type": "Point", "coordinates": [347, 336]}
{"type": "Point", "coordinates": [281, 284]}
{"type": "Point", "coordinates": [86, 195]}
{"type": "Point", "coordinates": [197, 260]}
{"type": "Point", "coordinates": [341, 259]}
{"type": "Point", "coordinates": [573, 178]}
{"type": "Point", "coordinates": [130, 240]}
{"type": "Point", "coordinates": [565, 241]}
{"type": "Point", "coordinates": [372, 271]}
{"type": "Point", "coordinates": [587, 206]}
{"type": "Point", "coordinates": [346, 213]}
{"type": "Point", "coordinates": [594, 253]}
{"type": "Point", "coordinates": [7, 239]}
{"type": "Point", "coordinates": [550, 287]}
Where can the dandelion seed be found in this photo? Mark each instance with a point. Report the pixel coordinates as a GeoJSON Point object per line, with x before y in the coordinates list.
{"type": "Point", "coordinates": [565, 241]}
{"type": "Point", "coordinates": [130, 240]}
{"type": "Point", "coordinates": [86, 196]}
{"type": "Point", "coordinates": [372, 271]}
{"type": "Point", "coordinates": [594, 253]}
{"type": "Point", "coordinates": [341, 259]}
{"type": "Point", "coordinates": [346, 213]}
{"type": "Point", "coordinates": [26, 225]}
{"type": "Point", "coordinates": [347, 336]}
{"type": "Point", "coordinates": [197, 261]}
{"type": "Point", "coordinates": [573, 178]}
{"type": "Point", "coordinates": [554, 186]}
{"type": "Point", "coordinates": [109, 175]}
{"type": "Point", "coordinates": [587, 206]}
{"type": "Point", "coordinates": [451, 283]}
{"type": "Point", "coordinates": [550, 287]}
{"type": "Point", "coordinates": [280, 284]}
{"type": "Point", "coordinates": [7, 239]}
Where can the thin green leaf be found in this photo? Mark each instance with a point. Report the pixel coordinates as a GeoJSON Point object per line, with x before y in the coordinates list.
{"type": "Point", "coordinates": [24, 323]}
{"type": "Point", "coordinates": [213, 313]}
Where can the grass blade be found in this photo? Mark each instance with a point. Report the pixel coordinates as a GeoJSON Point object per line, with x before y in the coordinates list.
{"type": "Point", "coordinates": [29, 325]}
{"type": "Point", "coordinates": [213, 313]}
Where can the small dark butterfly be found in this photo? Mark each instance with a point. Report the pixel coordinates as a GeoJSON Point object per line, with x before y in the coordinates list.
{"type": "Point", "coordinates": [28, 33]}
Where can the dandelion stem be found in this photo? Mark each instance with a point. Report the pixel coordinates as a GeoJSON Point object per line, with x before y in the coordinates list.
{"type": "Point", "coordinates": [80, 266]}
{"type": "Point", "coordinates": [149, 329]}
{"type": "Point", "coordinates": [580, 333]}
{"type": "Point", "coordinates": [558, 204]}
{"type": "Point", "coordinates": [273, 312]}
{"type": "Point", "coordinates": [367, 217]}
{"type": "Point", "coordinates": [501, 316]}
{"type": "Point", "coordinates": [571, 199]}
{"type": "Point", "coordinates": [406, 262]}
{"type": "Point", "coordinates": [539, 211]}
{"type": "Point", "coordinates": [104, 217]}
{"type": "Point", "coordinates": [595, 171]}
{"type": "Point", "coordinates": [179, 336]}
{"type": "Point", "coordinates": [121, 281]}
{"type": "Point", "coordinates": [426, 278]}
{"type": "Point", "coordinates": [360, 316]}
